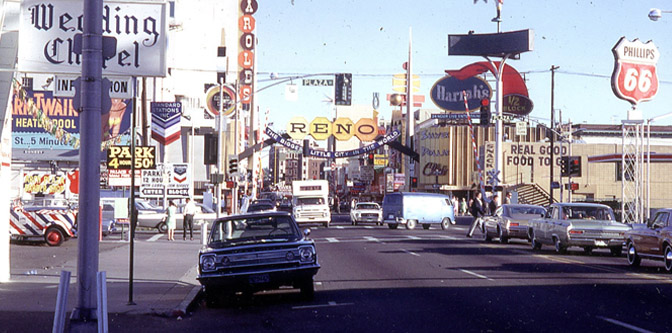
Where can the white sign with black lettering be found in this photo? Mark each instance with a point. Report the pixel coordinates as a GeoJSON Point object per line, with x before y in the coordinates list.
{"type": "Point", "coordinates": [120, 87]}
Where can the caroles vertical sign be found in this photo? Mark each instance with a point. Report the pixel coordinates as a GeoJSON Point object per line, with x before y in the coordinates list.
{"type": "Point", "coordinates": [246, 25]}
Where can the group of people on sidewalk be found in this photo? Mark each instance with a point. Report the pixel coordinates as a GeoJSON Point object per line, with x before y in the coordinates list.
{"type": "Point", "coordinates": [478, 209]}
{"type": "Point", "coordinates": [187, 221]}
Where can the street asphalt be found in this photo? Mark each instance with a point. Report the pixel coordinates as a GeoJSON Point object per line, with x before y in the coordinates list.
{"type": "Point", "coordinates": [164, 284]}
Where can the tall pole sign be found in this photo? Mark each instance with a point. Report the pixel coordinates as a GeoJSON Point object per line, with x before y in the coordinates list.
{"type": "Point", "coordinates": [634, 78]}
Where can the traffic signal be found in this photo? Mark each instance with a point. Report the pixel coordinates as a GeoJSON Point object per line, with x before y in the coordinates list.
{"type": "Point", "coordinates": [370, 158]}
{"type": "Point", "coordinates": [233, 165]}
{"type": "Point", "coordinates": [414, 182]}
{"type": "Point", "coordinates": [575, 166]}
{"type": "Point", "coordinates": [485, 112]}
{"type": "Point", "coordinates": [210, 149]}
{"type": "Point", "coordinates": [306, 147]}
{"type": "Point", "coordinates": [343, 89]}
{"type": "Point", "coordinates": [564, 166]}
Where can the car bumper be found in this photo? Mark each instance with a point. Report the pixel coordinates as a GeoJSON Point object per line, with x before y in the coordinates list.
{"type": "Point", "coordinates": [593, 242]}
{"type": "Point", "coordinates": [261, 279]}
{"type": "Point", "coordinates": [517, 232]}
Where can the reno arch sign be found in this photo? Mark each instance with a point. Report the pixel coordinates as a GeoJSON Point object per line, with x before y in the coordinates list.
{"type": "Point", "coordinates": [634, 78]}
{"type": "Point", "coordinates": [321, 128]}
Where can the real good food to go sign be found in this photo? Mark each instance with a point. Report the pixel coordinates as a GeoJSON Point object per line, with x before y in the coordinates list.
{"type": "Point", "coordinates": [634, 78]}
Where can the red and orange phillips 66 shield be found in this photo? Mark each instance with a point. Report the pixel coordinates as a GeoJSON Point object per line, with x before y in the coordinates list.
{"type": "Point", "coordinates": [634, 78]}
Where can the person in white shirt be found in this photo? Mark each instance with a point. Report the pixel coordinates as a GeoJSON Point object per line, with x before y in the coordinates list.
{"type": "Point", "coordinates": [188, 221]}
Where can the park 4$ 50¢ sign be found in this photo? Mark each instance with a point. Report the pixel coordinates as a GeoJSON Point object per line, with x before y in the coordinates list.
{"type": "Point", "coordinates": [634, 78]}
{"type": "Point", "coordinates": [119, 157]}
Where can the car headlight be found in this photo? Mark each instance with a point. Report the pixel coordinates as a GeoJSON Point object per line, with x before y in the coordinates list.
{"type": "Point", "coordinates": [208, 263]}
{"type": "Point", "coordinates": [307, 253]}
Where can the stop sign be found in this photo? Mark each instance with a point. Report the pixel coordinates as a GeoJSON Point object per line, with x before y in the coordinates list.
{"type": "Point", "coordinates": [634, 78]}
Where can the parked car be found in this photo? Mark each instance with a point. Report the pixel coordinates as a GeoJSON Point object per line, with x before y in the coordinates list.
{"type": "Point", "coordinates": [367, 212]}
{"type": "Point", "coordinates": [258, 206]}
{"type": "Point", "coordinates": [651, 241]}
{"type": "Point", "coordinates": [108, 222]}
{"type": "Point", "coordinates": [53, 224]}
{"type": "Point", "coordinates": [510, 221]}
{"type": "Point", "coordinates": [154, 219]}
{"type": "Point", "coordinates": [254, 252]}
{"type": "Point", "coordinates": [413, 208]}
{"type": "Point", "coordinates": [585, 225]}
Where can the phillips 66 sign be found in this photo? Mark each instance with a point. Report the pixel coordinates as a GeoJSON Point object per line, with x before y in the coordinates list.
{"type": "Point", "coordinates": [634, 78]}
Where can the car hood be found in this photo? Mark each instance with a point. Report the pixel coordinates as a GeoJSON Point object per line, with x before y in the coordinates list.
{"type": "Point", "coordinates": [376, 211]}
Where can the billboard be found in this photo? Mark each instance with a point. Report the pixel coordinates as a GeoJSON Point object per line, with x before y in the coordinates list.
{"type": "Point", "coordinates": [43, 125]}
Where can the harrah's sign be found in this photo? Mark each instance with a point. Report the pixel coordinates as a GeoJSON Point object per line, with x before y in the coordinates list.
{"type": "Point", "coordinates": [447, 93]}
{"type": "Point", "coordinates": [48, 30]}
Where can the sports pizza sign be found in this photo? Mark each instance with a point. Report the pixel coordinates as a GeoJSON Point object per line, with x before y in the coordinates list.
{"type": "Point", "coordinates": [634, 78]}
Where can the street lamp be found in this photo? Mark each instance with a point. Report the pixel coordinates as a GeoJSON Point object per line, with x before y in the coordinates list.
{"type": "Point", "coordinates": [655, 13]}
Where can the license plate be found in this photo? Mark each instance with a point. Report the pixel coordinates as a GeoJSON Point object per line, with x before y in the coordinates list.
{"type": "Point", "coordinates": [600, 243]}
{"type": "Point", "coordinates": [259, 278]}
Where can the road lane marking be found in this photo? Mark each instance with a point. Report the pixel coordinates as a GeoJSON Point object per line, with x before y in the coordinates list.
{"type": "Point", "coordinates": [559, 259]}
{"type": "Point", "coordinates": [622, 324]}
{"type": "Point", "coordinates": [368, 227]}
{"type": "Point", "coordinates": [155, 238]}
{"type": "Point", "coordinates": [410, 252]}
{"type": "Point", "coordinates": [332, 240]}
{"type": "Point", "coordinates": [329, 304]}
{"type": "Point", "coordinates": [340, 227]}
{"type": "Point", "coordinates": [476, 275]}
{"type": "Point", "coordinates": [413, 237]}
{"type": "Point", "coordinates": [371, 239]}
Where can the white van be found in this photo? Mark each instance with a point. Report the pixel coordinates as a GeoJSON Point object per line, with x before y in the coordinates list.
{"type": "Point", "coordinates": [413, 208]}
{"type": "Point", "coordinates": [310, 201]}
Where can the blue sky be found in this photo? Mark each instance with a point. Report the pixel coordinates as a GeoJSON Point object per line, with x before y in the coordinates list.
{"type": "Point", "coordinates": [369, 38]}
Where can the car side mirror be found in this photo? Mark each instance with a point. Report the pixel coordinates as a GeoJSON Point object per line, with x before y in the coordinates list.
{"type": "Point", "coordinates": [306, 232]}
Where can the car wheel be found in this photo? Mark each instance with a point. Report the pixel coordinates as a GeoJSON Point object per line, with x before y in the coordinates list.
{"type": "Point", "coordinates": [486, 236]}
{"type": "Point", "coordinates": [559, 247]}
{"type": "Point", "coordinates": [445, 223]}
{"type": "Point", "coordinates": [392, 225]}
{"type": "Point", "coordinates": [425, 226]}
{"type": "Point", "coordinates": [162, 227]}
{"type": "Point", "coordinates": [616, 251]}
{"type": "Point", "coordinates": [633, 257]}
{"type": "Point", "coordinates": [587, 250]}
{"type": "Point", "coordinates": [668, 258]}
{"type": "Point", "coordinates": [500, 234]}
{"type": "Point", "coordinates": [536, 245]}
{"type": "Point", "coordinates": [307, 289]}
{"type": "Point", "coordinates": [410, 224]}
{"type": "Point", "coordinates": [54, 236]}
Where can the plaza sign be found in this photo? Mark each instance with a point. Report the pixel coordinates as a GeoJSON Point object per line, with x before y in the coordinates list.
{"type": "Point", "coordinates": [634, 78]}
{"type": "Point", "coordinates": [447, 93]}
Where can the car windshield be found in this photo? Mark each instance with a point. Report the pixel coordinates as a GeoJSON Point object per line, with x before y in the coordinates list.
{"type": "Point", "coordinates": [205, 209]}
{"type": "Point", "coordinates": [588, 213]}
{"type": "Point", "coordinates": [526, 212]}
{"type": "Point", "coordinates": [142, 204]}
{"type": "Point", "coordinates": [253, 229]}
{"type": "Point", "coordinates": [367, 206]}
{"type": "Point", "coordinates": [310, 201]}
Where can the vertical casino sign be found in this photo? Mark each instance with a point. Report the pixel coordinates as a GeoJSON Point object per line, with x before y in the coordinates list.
{"type": "Point", "coordinates": [634, 78]}
{"type": "Point", "coordinates": [246, 25]}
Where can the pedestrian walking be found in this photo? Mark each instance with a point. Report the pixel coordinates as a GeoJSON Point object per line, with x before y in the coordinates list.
{"type": "Point", "coordinates": [456, 205]}
{"type": "Point", "coordinates": [507, 198]}
{"type": "Point", "coordinates": [463, 207]}
{"type": "Point", "coordinates": [188, 221]}
{"type": "Point", "coordinates": [494, 204]}
{"type": "Point", "coordinates": [477, 210]}
{"type": "Point", "coordinates": [171, 216]}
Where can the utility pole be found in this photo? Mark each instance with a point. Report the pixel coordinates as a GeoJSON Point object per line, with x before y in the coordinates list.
{"type": "Point", "coordinates": [84, 314]}
{"type": "Point", "coordinates": [410, 119]}
{"type": "Point", "coordinates": [553, 69]}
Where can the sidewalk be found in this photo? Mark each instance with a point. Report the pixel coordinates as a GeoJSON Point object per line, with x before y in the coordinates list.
{"type": "Point", "coordinates": [164, 281]}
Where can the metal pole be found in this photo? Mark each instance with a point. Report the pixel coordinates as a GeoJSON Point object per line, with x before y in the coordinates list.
{"type": "Point", "coordinates": [553, 69]}
{"type": "Point", "coordinates": [499, 128]}
{"type": "Point", "coordinates": [569, 153]}
{"type": "Point", "coordinates": [410, 119]}
{"type": "Point", "coordinates": [648, 170]}
{"type": "Point", "coordinates": [134, 215]}
{"type": "Point", "coordinates": [89, 156]}
{"type": "Point", "coordinates": [220, 143]}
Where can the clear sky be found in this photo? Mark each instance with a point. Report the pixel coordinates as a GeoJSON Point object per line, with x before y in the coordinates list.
{"type": "Point", "coordinates": [369, 38]}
